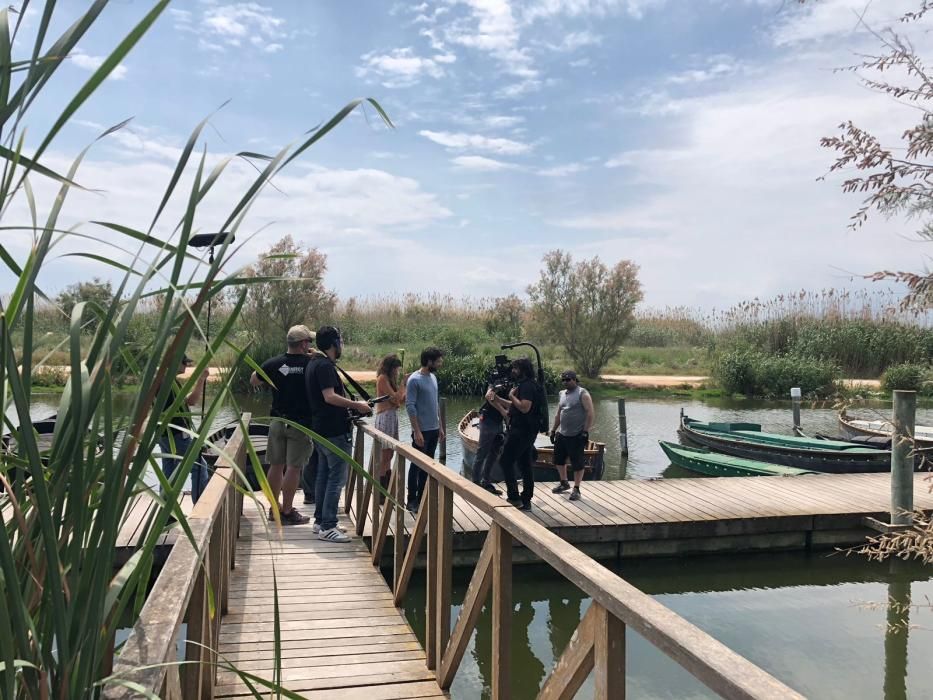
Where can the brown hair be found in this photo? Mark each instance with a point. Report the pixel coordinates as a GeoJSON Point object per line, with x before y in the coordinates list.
{"type": "Point", "coordinates": [389, 363]}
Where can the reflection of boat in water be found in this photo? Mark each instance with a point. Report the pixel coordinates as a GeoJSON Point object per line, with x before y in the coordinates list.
{"type": "Point", "coordinates": [544, 469]}
{"type": "Point", "coordinates": [747, 440]}
{"type": "Point", "coordinates": [44, 429]}
{"type": "Point", "coordinates": [855, 428]}
{"type": "Point", "coordinates": [702, 461]}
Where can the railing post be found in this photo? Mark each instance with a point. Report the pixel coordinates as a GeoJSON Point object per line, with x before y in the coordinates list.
{"type": "Point", "coordinates": [398, 538]}
{"type": "Point", "coordinates": [430, 633]}
{"type": "Point", "coordinates": [501, 612]}
{"type": "Point", "coordinates": [902, 458]}
{"type": "Point", "coordinates": [198, 621]}
{"type": "Point", "coordinates": [623, 428]}
{"type": "Point", "coordinates": [609, 656]}
{"type": "Point", "coordinates": [374, 459]}
{"type": "Point", "coordinates": [445, 523]}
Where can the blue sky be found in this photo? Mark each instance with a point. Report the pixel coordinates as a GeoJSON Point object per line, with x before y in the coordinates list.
{"type": "Point", "coordinates": [682, 135]}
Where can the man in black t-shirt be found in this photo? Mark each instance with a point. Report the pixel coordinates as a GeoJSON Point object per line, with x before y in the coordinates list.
{"type": "Point", "coordinates": [521, 434]}
{"type": "Point", "coordinates": [289, 448]}
{"type": "Point", "coordinates": [330, 419]}
{"type": "Point", "coordinates": [491, 419]}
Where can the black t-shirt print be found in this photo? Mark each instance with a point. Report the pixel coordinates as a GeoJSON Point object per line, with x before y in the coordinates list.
{"type": "Point", "coordinates": [327, 420]}
{"type": "Point", "coordinates": [289, 398]}
{"type": "Point", "coordinates": [524, 422]}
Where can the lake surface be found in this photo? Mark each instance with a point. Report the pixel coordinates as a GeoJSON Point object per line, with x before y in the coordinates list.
{"type": "Point", "coordinates": [816, 621]}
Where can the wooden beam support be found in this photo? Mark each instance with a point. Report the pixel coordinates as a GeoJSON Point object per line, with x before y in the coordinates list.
{"type": "Point", "coordinates": [414, 545]}
{"type": "Point", "coordinates": [398, 540]}
{"type": "Point", "coordinates": [501, 612]}
{"type": "Point", "coordinates": [609, 655]}
{"type": "Point", "coordinates": [476, 595]}
{"type": "Point", "coordinates": [445, 527]}
{"type": "Point", "coordinates": [430, 617]}
{"type": "Point", "coordinates": [379, 539]}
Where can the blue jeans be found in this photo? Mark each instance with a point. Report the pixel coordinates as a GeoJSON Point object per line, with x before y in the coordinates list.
{"type": "Point", "coordinates": [199, 471]}
{"type": "Point", "coordinates": [332, 472]}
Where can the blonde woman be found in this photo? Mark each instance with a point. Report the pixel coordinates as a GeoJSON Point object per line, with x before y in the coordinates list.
{"type": "Point", "coordinates": [388, 384]}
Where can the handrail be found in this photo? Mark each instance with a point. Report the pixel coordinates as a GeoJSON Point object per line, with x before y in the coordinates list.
{"type": "Point", "coordinates": [599, 642]}
{"type": "Point", "coordinates": [181, 594]}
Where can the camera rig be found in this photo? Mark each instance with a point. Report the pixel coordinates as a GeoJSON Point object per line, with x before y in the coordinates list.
{"type": "Point", "coordinates": [500, 376]}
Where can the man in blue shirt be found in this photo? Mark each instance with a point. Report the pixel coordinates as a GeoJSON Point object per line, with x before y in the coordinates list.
{"type": "Point", "coordinates": [422, 407]}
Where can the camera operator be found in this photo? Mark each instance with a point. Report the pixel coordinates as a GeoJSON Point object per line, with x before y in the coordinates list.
{"type": "Point", "coordinates": [330, 419]}
{"type": "Point", "coordinates": [571, 432]}
{"type": "Point", "coordinates": [491, 419]}
{"type": "Point", "coordinates": [522, 431]}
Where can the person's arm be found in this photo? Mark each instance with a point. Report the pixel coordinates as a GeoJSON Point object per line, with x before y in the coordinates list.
{"type": "Point", "coordinates": [411, 408]}
{"type": "Point", "coordinates": [590, 411]}
{"type": "Point", "coordinates": [523, 405]}
{"type": "Point", "coordinates": [556, 420]}
{"type": "Point", "coordinates": [334, 399]}
{"type": "Point", "coordinates": [198, 391]}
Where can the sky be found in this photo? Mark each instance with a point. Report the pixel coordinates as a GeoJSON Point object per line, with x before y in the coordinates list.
{"type": "Point", "coordinates": [680, 134]}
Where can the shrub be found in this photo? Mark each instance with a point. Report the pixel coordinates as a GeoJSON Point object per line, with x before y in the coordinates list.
{"type": "Point", "coordinates": [755, 374]}
{"type": "Point", "coordinates": [49, 376]}
{"type": "Point", "coordinates": [456, 342]}
{"type": "Point", "coordinates": [904, 376]}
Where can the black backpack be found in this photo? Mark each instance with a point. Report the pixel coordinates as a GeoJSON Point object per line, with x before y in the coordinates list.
{"type": "Point", "coordinates": [540, 409]}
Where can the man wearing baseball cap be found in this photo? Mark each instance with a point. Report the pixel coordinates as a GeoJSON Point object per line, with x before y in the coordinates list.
{"type": "Point", "coordinates": [571, 432]}
{"type": "Point", "coordinates": [289, 448]}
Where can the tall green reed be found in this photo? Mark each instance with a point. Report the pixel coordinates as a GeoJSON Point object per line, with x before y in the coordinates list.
{"type": "Point", "coordinates": [62, 598]}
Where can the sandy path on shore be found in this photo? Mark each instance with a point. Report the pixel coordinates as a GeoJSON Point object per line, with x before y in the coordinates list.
{"type": "Point", "coordinates": [636, 381]}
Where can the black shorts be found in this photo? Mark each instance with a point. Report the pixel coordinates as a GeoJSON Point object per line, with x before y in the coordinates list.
{"type": "Point", "coordinates": [569, 448]}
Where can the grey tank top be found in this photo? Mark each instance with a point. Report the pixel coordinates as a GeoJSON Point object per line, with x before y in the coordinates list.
{"type": "Point", "coordinates": [572, 412]}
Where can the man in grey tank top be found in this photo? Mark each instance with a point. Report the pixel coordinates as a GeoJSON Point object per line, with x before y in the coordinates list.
{"type": "Point", "coordinates": [571, 432]}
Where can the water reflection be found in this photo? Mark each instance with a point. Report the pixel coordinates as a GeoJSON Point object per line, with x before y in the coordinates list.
{"type": "Point", "coordinates": [794, 614]}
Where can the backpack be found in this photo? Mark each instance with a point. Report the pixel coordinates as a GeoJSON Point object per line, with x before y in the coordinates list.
{"type": "Point", "coordinates": [540, 409]}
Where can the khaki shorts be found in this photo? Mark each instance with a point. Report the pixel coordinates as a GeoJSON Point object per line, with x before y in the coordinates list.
{"type": "Point", "coordinates": [288, 445]}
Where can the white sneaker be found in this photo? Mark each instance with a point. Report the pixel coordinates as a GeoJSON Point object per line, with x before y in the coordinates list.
{"type": "Point", "coordinates": [333, 535]}
{"type": "Point", "coordinates": [317, 528]}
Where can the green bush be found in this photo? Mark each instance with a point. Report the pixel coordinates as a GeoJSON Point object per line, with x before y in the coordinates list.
{"type": "Point", "coordinates": [756, 374]}
{"type": "Point", "coordinates": [904, 376]}
{"type": "Point", "coordinates": [49, 376]}
{"type": "Point", "coordinates": [467, 376]}
{"type": "Point", "coordinates": [456, 342]}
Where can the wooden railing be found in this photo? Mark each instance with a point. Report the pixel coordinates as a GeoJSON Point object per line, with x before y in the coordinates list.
{"type": "Point", "coordinates": [181, 594]}
{"type": "Point", "coordinates": [598, 643]}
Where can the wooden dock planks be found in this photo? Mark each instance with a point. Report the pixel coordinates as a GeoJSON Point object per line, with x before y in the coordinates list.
{"type": "Point", "coordinates": [342, 637]}
{"type": "Point", "coordinates": [668, 516]}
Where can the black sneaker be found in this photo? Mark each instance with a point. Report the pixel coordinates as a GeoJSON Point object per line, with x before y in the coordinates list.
{"type": "Point", "coordinates": [575, 494]}
{"type": "Point", "coordinates": [309, 500]}
{"type": "Point", "coordinates": [492, 489]}
{"type": "Point", "coordinates": [293, 517]}
{"type": "Point", "coordinates": [561, 487]}
{"type": "Point", "coordinates": [525, 506]}
{"type": "Point", "coordinates": [515, 501]}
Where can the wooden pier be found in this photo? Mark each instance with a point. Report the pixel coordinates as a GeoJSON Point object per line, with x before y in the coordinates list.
{"type": "Point", "coordinates": [667, 517]}
{"type": "Point", "coordinates": [342, 637]}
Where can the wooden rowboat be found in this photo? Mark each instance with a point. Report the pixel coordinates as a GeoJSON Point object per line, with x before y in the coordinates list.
{"type": "Point", "coordinates": [543, 467]}
{"type": "Point", "coordinates": [747, 440]}
{"type": "Point", "coordinates": [859, 428]}
{"type": "Point", "coordinates": [702, 461]}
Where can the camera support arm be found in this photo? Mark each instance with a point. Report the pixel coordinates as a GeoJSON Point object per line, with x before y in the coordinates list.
{"type": "Point", "coordinates": [508, 346]}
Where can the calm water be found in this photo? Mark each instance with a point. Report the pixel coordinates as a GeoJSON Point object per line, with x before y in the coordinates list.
{"type": "Point", "coordinates": [817, 622]}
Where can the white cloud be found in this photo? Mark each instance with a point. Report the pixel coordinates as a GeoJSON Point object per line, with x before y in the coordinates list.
{"type": "Point", "coordinates": [576, 40]}
{"type": "Point", "coordinates": [710, 68]}
{"type": "Point", "coordinates": [492, 28]}
{"type": "Point", "coordinates": [544, 9]}
{"type": "Point", "coordinates": [482, 164]}
{"type": "Point", "coordinates": [835, 19]}
{"type": "Point", "coordinates": [461, 141]}
{"type": "Point", "coordinates": [233, 23]}
{"type": "Point", "coordinates": [92, 63]}
{"type": "Point", "coordinates": [399, 68]}
{"type": "Point", "coordinates": [498, 121]}
{"type": "Point", "coordinates": [563, 170]}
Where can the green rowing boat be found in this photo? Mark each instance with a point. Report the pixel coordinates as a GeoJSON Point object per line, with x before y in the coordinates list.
{"type": "Point", "coordinates": [714, 464]}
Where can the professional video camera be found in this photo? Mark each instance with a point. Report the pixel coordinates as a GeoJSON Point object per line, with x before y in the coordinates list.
{"type": "Point", "coordinates": [354, 414]}
{"type": "Point", "coordinates": [500, 376]}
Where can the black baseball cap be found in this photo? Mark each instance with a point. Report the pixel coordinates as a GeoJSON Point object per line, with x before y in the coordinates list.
{"type": "Point", "coordinates": [568, 374]}
{"type": "Point", "coordinates": [186, 361]}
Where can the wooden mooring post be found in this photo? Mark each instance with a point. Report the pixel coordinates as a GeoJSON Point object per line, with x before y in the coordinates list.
{"type": "Point", "coordinates": [902, 458]}
{"type": "Point", "coordinates": [795, 399]}
{"type": "Point", "coordinates": [623, 428]}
